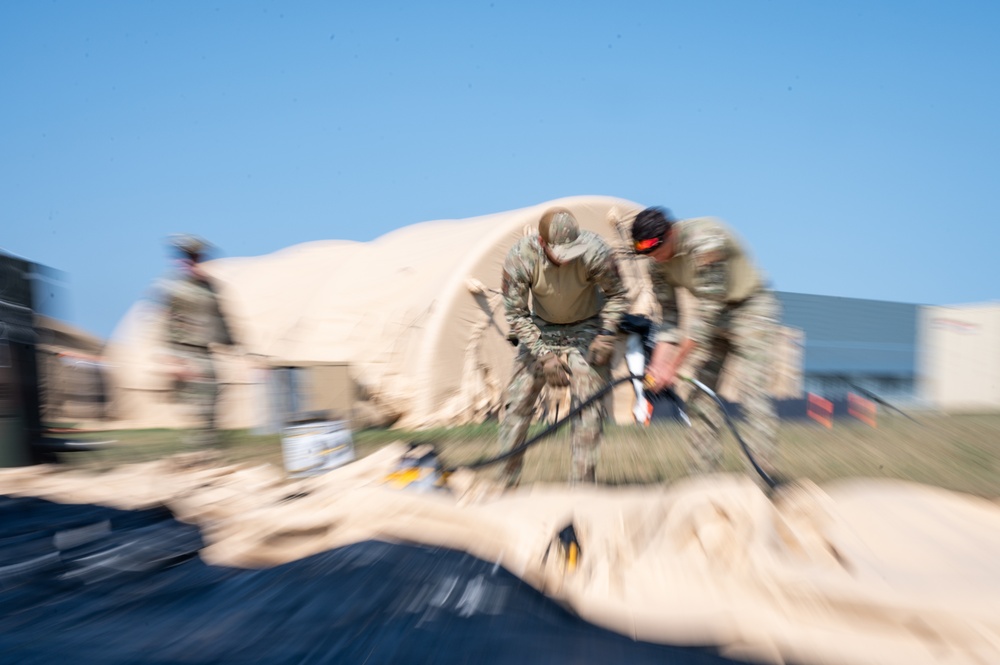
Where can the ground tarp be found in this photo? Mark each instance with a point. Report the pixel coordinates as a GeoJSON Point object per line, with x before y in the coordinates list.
{"type": "Point", "coordinates": [98, 585]}
{"type": "Point", "coordinates": [857, 572]}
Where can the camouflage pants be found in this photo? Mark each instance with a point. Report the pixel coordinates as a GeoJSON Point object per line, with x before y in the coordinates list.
{"type": "Point", "coordinates": [571, 342]}
{"type": "Point", "coordinates": [745, 335]}
{"type": "Point", "coordinates": [199, 395]}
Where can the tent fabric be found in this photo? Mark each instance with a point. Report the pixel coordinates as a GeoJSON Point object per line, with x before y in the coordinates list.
{"type": "Point", "coordinates": [861, 571]}
{"type": "Point", "coordinates": [414, 312]}
{"type": "Point", "coordinates": [112, 586]}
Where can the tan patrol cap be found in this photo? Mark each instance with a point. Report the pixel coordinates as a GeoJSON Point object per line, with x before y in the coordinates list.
{"type": "Point", "coordinates": [188, 243]}
{"type": "Point", "coordinates": [561, 232]}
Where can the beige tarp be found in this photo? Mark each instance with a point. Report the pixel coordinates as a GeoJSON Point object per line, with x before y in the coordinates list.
{"type": "Point", "coordinates": [860, 572]}
{"type": "Point", "coordinates": [416, 314]}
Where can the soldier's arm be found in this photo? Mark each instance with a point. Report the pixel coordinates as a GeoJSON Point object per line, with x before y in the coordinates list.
{"type": "Point", "coordinates": [670, 349]}
{"type": "Point", "coordinates": [604, 268]}
{"type": "Point", "coordinates": [172, 311]}
{"type": "Point", "coordinates": [668, 330]}
{"type": "Point", "coordinates": [711, 283]}
{"type": "Point", "coordinates": [225, 332]}
{"type": "Point", "coordinates": [169, 353]}
{"type": "Point", "coordinates": [515, 287]}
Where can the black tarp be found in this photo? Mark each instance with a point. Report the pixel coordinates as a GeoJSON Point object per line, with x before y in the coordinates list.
{"type": "Point", "coordinates": [88, 584]}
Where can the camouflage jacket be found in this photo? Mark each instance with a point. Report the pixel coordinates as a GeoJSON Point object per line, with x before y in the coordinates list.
{"type": "Point", "coordinates": [711, 263]}
{"type": "Point", "coordinates": [591, 284]}
{"type": "Point", "coordinates": [193, 314]}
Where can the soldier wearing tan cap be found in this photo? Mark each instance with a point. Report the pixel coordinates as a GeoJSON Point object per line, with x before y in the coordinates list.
{"type": "Point", "coordinates": [563, 297]}
{"type": "Point", "coordinates": [194, 322]}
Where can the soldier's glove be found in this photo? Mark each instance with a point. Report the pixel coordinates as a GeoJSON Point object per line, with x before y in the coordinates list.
{"type": "Point", "coordinates": [601, 348]}
{"type": "Point", "coordinates": [555, 370]}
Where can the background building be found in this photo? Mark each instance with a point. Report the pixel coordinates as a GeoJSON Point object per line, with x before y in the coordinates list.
{"type": "Point", "coordinates": [960, 356]}
{"type": "Point", "coordinates": [871, 344]}
{"type": "Point", "coordinates": [938, 357]}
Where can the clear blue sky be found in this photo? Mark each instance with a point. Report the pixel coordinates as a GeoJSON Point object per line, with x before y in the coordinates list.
{"type": "Point", "coordinates": [854, 144]}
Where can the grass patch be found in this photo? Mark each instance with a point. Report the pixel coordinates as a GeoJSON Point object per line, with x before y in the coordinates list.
{"type": "Point", "coordinates": [957, 452]}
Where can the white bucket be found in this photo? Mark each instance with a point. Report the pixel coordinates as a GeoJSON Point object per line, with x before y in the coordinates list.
{"type": "Point", "coordinates": [317, 447]}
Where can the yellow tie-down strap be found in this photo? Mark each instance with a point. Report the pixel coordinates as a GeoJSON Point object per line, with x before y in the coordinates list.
{"type": "Point", "coordinates": [568, 546]}
{"type": "Point", "coordinates": [403, 478]}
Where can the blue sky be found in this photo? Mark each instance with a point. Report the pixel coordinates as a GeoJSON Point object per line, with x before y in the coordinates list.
{"type": "Point", "coordinates": [855, 145]}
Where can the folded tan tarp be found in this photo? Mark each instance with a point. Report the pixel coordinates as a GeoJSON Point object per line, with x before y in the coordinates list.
{"type": "Point", "coordinates": [857, 572]}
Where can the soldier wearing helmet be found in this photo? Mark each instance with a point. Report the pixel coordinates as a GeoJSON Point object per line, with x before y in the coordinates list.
{"type": "Point", "coordinates": [563, 298]}
{"type": "Point", "coordinates": [194, 322]}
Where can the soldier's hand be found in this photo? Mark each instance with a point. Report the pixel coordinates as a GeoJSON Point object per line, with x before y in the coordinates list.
{"type": "Point", "coordinates": [601, 349]}
{"type": "Point", "coordinates": [662, 371]}
{"type": "Point", "coordinates": [555, 370]}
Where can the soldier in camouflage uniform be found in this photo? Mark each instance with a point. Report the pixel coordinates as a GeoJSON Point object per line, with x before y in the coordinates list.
{"type": "Point", "coordinates": [736, 318]}
{"type": "Point", "coordinates": [565, 333]}
{"type": "Point", "coordinates": [194, 321]}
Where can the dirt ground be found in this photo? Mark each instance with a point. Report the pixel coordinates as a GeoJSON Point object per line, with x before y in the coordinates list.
{"type": "Point", "coordinates": [956, 452]}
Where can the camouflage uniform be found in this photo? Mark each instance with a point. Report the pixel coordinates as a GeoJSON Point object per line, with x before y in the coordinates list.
{"type": "Point", "coordinates": [194, 321]}
{"type": "Point", "coordinates": [736, 317]}
{"type": "Point", "coordinates": [588, 285]}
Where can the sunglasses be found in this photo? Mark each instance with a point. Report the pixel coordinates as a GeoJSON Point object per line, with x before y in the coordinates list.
{"type": "Point", "coordinates": [648, 245]}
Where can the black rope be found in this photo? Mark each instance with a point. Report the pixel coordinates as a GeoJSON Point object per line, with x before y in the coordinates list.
{"type": "Point", "coordinates": [608, 387]}
{"type": "Point", "coordinates": [872, 396]}
{"type": "Point", "coordinates": [771, 482]}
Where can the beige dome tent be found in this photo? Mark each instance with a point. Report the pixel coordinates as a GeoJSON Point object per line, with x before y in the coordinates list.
{"type": "Point", "coordinates": [414, 319]}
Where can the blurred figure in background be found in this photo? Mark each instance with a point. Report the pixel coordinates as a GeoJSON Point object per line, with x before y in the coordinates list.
{"type": "Point", "coordinates": [736, 317]}
{"type": "Point", "coordinates": [194, 322]}
{"type": "Point", "coordinates": [566, 332]}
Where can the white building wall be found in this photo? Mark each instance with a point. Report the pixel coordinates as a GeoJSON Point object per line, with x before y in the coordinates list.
{"type": "Point", "coordinates": [959, 357]}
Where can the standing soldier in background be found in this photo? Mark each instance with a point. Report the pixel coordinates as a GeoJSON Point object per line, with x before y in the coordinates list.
{"type": "Point", "coordinates": [194, 322]}
{"type": "Point", "coordinates": [736, 317]}
{"type": "Point", "coordinates": [566, 333]}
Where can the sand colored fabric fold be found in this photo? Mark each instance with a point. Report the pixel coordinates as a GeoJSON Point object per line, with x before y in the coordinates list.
{"type": "Point", "coordinates": [858, 572]}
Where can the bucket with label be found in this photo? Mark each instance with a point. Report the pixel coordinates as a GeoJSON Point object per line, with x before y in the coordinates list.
{"type": "Point", "coordinates": [314, 447]}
